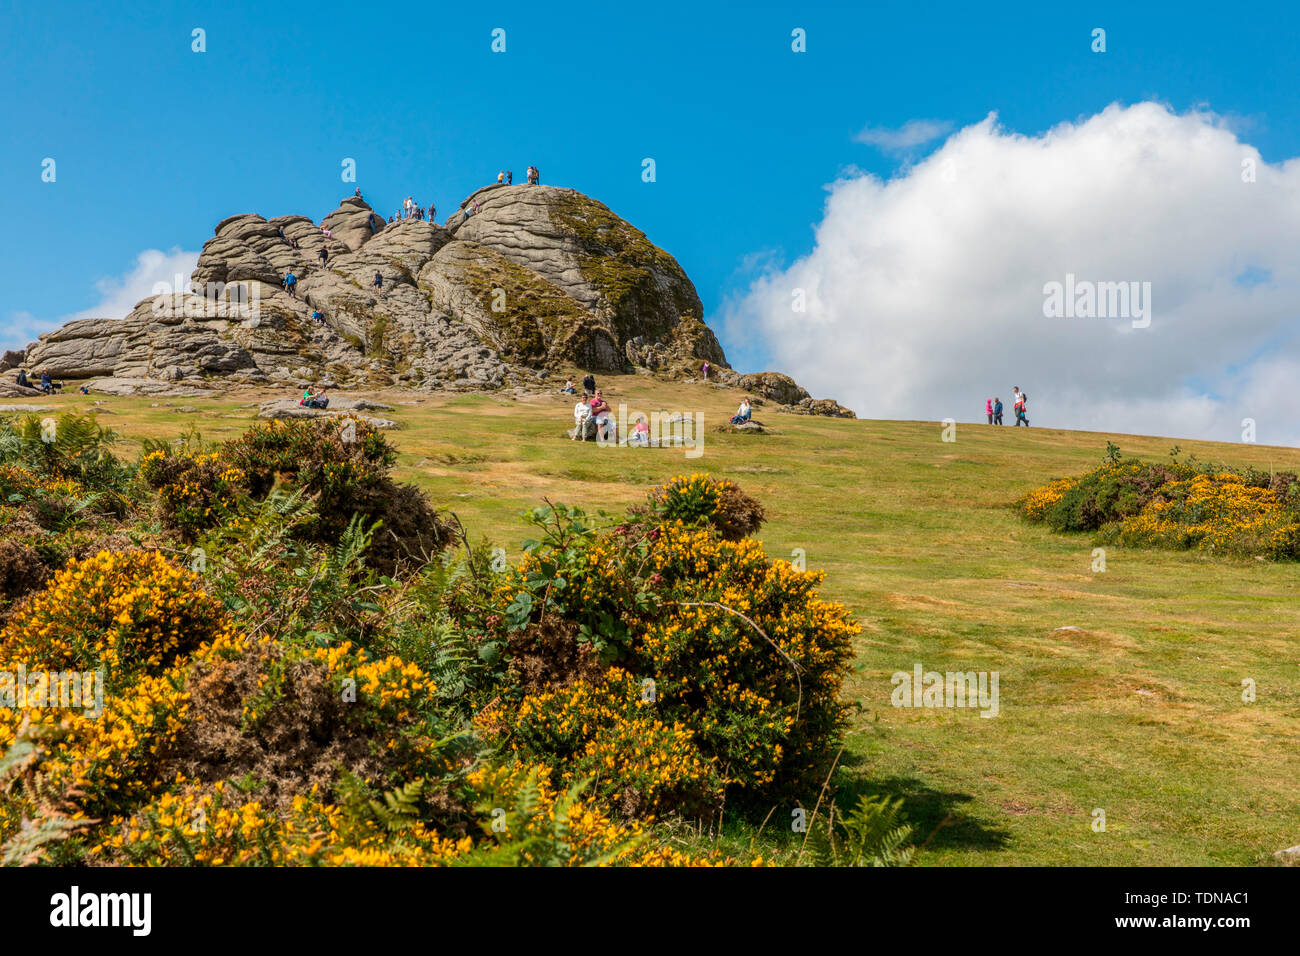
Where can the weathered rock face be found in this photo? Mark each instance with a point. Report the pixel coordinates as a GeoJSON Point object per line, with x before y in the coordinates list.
{"type": "Point", "coordinates": [521, 281]}
{"type": "Point", "coordinates": [781, 389]}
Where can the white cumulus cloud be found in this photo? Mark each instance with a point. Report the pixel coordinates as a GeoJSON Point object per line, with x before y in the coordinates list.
{"type": "Point", "coordinates": [924, 294]}
{"type": "Point", "coordinates": [117, 295]}
{"type": "Point", "coordinates": [911, 134]}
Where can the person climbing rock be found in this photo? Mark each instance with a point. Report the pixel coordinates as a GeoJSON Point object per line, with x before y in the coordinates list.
{"type": "Point", "coordinates": [370, 221]}
{"type": "Point", "coordinates": [318, 317]}
{"type": "Point", "coordinates": [378, 282]}
{"type": "Point", "coordinates": [323, 256]}
{"type": "Point", "coordinates": [291, 284]}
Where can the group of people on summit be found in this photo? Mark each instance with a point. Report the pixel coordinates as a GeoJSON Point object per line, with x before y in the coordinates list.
{"type": "Point", "coordinates": [1020, 406]}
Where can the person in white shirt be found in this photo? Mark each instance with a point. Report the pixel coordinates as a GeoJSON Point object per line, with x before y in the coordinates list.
{"type": "Point", "coordinates": [581, 412]}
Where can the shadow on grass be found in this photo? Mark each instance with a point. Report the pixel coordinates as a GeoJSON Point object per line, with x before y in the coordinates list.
{"type": "Point", "coordinates": [937, 819]}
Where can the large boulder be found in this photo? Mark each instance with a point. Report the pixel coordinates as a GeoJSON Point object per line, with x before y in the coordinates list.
{"type": "Point", "coordinates": [354, 223]}
{"type": "Point", "coordinates": [579, 246]}
{"type": "Point", "coordinates": [781, 389]}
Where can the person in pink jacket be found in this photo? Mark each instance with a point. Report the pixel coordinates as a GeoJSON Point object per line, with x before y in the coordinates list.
{"type": "Point", "coordinates": [988, 409]}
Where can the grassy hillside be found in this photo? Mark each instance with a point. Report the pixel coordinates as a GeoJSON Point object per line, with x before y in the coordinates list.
{"type": "Point", "coordinates": [1138, 713]}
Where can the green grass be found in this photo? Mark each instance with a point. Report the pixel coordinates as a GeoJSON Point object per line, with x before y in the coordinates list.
{"type": "Point", "coordinates": [1139, 713]}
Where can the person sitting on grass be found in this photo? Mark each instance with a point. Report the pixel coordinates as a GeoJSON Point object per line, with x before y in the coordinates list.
{"type": "Point", "coordinates": [606, 430]}
{"type": "Point", "coordinates": [581, 413]}
{"type": "Point", "coordinates": [742, 413]}
{"type": "Point", "coordinates": [568, 388]}
{"type": "Point", "coordinates": [641, 435]}
{"type": "Point", "coordinates": [309, 400]}
{"type": "Point", "coordinates": [47, 383]}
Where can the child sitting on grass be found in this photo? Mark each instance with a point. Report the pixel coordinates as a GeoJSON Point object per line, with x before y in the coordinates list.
{"type": "Point", "coordinates": [641, 436]}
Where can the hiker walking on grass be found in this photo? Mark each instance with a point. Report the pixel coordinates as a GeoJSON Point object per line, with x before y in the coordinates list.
{"type": "Point", "coordinates": [1018, 406]}
{"type": "Point", "coordinates": [997, 411]}
{"type": "Point", "coordinates": [988, 409]}
{"type": "Point", "coordinates": [589, 384]}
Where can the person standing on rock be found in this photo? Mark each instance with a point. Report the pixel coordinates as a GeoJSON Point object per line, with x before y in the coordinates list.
{"type": "Point", "coordinates": [378, 282]}
{"type": "Point", "coordinates": [510, 178]}
{"type": "Point", "coordinates": [358, 192]}
{"type": "Point", "coordinates": [433, 213]}
{"type": "Point", "coordinates": [291, 284]}
{"type": "Point", "coordinates": [501, 178]}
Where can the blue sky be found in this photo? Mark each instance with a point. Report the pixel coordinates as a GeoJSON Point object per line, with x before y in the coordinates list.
{"type": "Point", "coordinates": [155, 144]}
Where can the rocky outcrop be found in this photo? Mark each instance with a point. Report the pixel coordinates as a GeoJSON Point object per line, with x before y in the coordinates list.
{"type": "Point", "coordinates": [818, 406]}
{"type": "Point", "coordinates": [283, 408]}
{"type": "Point", "coordinates": [781, 389]}
{"type": "Point", "coordinates": [521, 282]}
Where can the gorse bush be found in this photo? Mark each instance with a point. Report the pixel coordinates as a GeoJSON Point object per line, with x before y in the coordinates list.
{"type": "Point", "coordinates": [126, 612]}
{"type": "Point", "coordinates": [1235, 511]}
{"type": "Point", "coordinates": [340, 464]}
{"type": "Point", "coordinates": [738, 648]}
{"type": "Point", "coordinates": [286, 685]}
{"type": "Point", "coordinates": [700, 500]}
